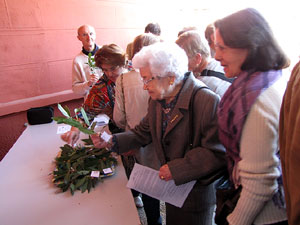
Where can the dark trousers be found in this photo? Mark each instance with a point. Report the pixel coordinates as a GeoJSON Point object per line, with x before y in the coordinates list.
{"type": "Point", "coordinates": [128, 163]}
{"type": "Point", "coordinates": [177, 216]}
{"type": "Point", "coordinates": [152, 210]}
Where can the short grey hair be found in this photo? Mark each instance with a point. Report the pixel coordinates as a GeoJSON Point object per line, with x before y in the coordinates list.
{"type": "Point", "coordinates": [193, 42]}
{"type": "Point", "coordinates": [164, 59]}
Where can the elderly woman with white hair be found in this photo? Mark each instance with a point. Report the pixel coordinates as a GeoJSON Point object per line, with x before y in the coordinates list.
{"type": "Point", "coordinates": [181, 122]}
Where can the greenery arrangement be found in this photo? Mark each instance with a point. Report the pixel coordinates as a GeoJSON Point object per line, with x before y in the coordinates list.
{"type": "Point", "coordinates": [83, 166]}
{"type": "Point", "coordinates": [91, 62]}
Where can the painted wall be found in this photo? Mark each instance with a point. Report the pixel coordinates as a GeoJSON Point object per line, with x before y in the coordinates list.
{"type": "Point", "coordinates": [38, 42]}
{"type": "Point", "coordinates": [38, 37]}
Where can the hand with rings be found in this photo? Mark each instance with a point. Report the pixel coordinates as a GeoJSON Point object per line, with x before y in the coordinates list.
{"type": "Point", "coordinates": [165, 173]}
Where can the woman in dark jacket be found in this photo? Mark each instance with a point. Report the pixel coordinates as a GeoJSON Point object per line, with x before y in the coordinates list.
{"type": "Point", "coordinates": [182, 125]}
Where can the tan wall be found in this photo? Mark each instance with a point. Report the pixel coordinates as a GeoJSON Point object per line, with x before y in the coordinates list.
{"type": "Point", "coordinates": [38, 42]}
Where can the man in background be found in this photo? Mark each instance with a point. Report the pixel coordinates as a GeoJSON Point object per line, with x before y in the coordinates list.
{"type": "Point", "coordinates": [205, 68]}
{"type": "Point", "coordinates": [83, 76]}
{"type": "Point", "coordinates": [210, 37]}
{"type": "Point", "coordinates": [153, 28]}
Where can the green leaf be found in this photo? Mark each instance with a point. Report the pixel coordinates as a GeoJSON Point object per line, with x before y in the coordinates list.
{"type": "Point", "coordinates": [80, 182]}
{"type": "Point", "coordinates": [74, 166]}
{"type": "Point", "coordinates": [74, 123]}
{"type": "Point", "coordinates": [63, 111]}
{"type": "Point", "coordinates": [66, 108]}
{"type": "Point", "coordinates": [89, 186]}
{"type": "Point", "coordinates": [83, 172]}
{"type": "Point", "coordinates": [72, 189]}
{"type": "Point", "coordinates": [84, 186]}
{"type": "Point", "coordinates": [93, 125]}
{"type": "Point", "coordinates": [67, 178]}
{"type": "Point", "coordinates": [86, 130]}
{"type": "Point", "coordinates": [86, 120]}
{"type": "Point", "coordinates": [68, 165]}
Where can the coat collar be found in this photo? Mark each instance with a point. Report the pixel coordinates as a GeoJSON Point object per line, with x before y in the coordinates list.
{"type": "Point", "coordinates": [183, 103]}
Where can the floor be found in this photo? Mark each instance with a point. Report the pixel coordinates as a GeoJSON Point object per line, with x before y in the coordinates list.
{"type": "Point", "coordinates": [143, 218]}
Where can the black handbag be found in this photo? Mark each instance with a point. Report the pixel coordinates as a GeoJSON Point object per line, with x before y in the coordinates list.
{"type": "Point", "coordinates": [40, 115]}
{"type": "Point", "coordinates": [226, 202]}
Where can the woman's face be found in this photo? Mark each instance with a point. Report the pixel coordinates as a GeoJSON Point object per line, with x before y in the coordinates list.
{"type": "Point", "coordinates": [231, 58]}
{"type": "Point", "coordinates": [158, 87]}
{"type": "Point", "coordinates": [112, 72]}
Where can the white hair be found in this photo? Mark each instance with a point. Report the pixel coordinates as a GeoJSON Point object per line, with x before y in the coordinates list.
{"type": "Point", "coordinates": [164, 59]}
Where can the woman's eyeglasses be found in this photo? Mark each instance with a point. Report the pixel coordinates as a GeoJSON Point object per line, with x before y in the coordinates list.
{"type": "Point", "coordinates": [111, 69]}
{"type": "Point", "coordinates": [146, 82]}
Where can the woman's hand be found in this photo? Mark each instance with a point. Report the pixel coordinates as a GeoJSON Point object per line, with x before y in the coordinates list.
{"type": "Point", "coordinates": [165, 173]}
{"type": "Point", "coordinates": [99, 142]}
{"type": "Point", "coordinates": [71, 137]}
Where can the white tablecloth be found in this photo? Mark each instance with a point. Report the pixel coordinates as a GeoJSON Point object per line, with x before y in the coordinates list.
{"type": "Point", "coordinates": [27, 195]}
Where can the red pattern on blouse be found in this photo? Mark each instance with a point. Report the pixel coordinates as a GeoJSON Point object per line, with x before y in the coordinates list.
{"type": "Point", "coordinates": [101, 98]}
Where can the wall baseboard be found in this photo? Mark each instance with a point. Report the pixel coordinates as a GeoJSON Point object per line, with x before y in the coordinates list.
{"type": "Point", "coordinates": [12, 125]}
{"type": "Point", "coordinates": [37, 101]}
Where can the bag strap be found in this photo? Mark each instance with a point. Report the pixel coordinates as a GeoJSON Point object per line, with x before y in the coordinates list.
{"type": "Point", "coordinates": [123, 99]}
{"type": "Point", "coordinates": [220, 175]}
{"type": "Point", "coordinates": [219, 75]}
{"type": "Point", "coordinates": [191, 110]}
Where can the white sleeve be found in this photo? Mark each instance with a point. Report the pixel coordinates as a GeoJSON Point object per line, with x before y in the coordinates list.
{"type": "Point", "coordinates": [79, 81]}
{"type": "Point", "coordinates": [258, 168]}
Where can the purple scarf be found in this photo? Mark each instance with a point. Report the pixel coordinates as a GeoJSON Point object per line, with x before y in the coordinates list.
{"type": "Point", "coordinates": [234, 108]}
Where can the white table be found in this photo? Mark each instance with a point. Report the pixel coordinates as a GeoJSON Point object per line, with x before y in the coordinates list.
{"type": "Point", "coordinates": [27, 194]}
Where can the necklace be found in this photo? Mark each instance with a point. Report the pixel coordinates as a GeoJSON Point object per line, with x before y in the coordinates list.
{"type": "Point", "coordinates": [166, 110]}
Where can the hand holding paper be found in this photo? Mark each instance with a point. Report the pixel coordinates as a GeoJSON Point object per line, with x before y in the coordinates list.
{"type": "Point", "coordinates": [165, 173]}
{"type": "Point", "coordinates": [147, 181]}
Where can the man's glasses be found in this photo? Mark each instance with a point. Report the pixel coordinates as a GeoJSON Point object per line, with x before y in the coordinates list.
{"type": "Point", "coordinates": [87, 34]}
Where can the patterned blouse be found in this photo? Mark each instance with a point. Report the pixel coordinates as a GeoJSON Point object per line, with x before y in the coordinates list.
{"type": "Point", "coordinates": [101, 98]}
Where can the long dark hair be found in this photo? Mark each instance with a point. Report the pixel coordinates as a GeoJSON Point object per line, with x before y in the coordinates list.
{"type": "Point", "coordinates": [247, 29]}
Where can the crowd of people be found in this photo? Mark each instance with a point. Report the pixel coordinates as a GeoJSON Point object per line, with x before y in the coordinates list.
{"type": "Point", "coordinates": [211, 107]}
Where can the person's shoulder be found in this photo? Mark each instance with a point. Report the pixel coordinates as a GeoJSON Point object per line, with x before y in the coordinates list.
{"type": "Point", "coordinates": [132, 77]}
{"type": "Point", "coordinates": [215, 65]}
{"type": "Point", "coordinates": [80, 57]}
{"type": "Point", "coordinates": [204, 91]}
{"type": "Point", "coordinates": [270, 100]}
{"type": "Point", "coordinates": [130, 73]}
